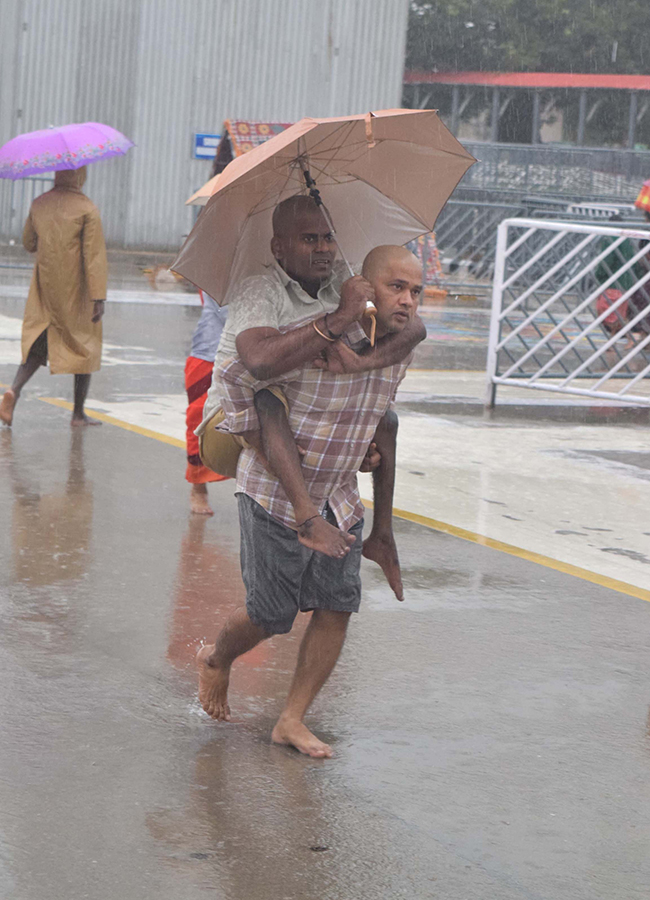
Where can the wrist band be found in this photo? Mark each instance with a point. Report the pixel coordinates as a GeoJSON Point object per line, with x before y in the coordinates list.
{"type": "Point", "coordinates": [325, 337]}
{"type": "Point", "coordinates": [333, 337]}
{"type": "Point", "coordinates": [298, 527]}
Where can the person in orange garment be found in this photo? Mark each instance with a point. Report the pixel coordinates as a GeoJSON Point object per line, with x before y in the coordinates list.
{"type": "Point", "coordinates": [62, 322]}
{"type": "Point", "coordinates": [198, 378]}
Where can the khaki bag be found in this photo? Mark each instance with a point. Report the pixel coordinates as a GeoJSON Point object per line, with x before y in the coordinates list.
{"type": "Point", "coordinates": [219, 450]}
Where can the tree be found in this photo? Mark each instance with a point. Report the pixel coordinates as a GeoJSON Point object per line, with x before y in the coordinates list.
{"type": "Point", "coordinates": [530, 35]}
{"type": "Point", "coordinates": [590, 36]}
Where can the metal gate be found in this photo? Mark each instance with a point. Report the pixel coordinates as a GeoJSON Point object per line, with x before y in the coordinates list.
{"type": "Point", "coordinates": [466, 230]}
{"type": "Point", "coordinates": [571, 310]}
{"type": "Point", "coordinates": [464, 234]}
{"type": "Point", "coordinates": [595, 172]}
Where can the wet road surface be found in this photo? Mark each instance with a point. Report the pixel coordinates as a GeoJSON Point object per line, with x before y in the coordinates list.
{"type": "Point", "coordinates": [491, 733]}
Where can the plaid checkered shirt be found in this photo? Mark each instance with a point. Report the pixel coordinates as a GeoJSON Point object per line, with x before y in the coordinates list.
{"type": "Point", "coordinates": [333, 418]}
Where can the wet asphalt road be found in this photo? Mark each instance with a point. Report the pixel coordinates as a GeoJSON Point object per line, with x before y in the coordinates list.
{"type": "Point", "coordinates": [491, 734]}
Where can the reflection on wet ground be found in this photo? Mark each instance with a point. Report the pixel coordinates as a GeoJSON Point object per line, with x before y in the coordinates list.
{"type": "Point", "coordinates": [51, 531]}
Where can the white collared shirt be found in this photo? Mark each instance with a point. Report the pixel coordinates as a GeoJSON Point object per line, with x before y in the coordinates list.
{"type": "Point", "coordinates": [271, 300]}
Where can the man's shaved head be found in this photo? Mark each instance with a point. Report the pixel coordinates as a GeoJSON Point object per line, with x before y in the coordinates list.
{"type": "Point", "coordinates": [396, 276]}
{"type": "Point", "coordinates": [287, 213]}
{"type": "Point", "coordinates": [387, 256]}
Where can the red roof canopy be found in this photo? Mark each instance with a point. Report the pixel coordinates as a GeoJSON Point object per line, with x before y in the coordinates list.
{"type": "Point", "coordinates": [533, 80]}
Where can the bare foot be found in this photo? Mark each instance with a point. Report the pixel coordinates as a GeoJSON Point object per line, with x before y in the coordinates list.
{"type": "Point", "coordinates": [7, 407]}
{"type": "Point", "coordinates": [80, 421]}
{"type": "Point", "coordinates": [294, 733]}
{"type": "Point", "coordinates": [382, 550]}
{"type": "Point", "coordinates": [199, 502]}
{"type": "Point", "coordinates": [317, 534]}
{"type": "Point", "coordinates": [213, 686]}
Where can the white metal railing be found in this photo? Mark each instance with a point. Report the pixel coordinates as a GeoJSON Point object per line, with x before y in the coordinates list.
{"type": "Point", "coordinates": [571, 310]}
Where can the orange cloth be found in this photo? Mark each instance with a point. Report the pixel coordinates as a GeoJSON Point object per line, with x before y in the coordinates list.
{"type": "Point", "coordinates": [643, 200]}
{"type": "Point", "coordinates": [198, 378]}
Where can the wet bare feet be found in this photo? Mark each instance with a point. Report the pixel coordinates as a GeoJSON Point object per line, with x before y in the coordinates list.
{"type": "Point", "coordinates": [317, 534]}
{"type": "Point", "coordinates": [213, 686]}
{"type": "Point", "coordinates": [82, 420]}
{"type": "Point", "coordinates": [199, 501]}
{"type": "Point", "coordinates": [7, 407]}
{"type": "Point", "coordinates": [294, 733]}
{"type": "Point", "coordinates": [382, 550]}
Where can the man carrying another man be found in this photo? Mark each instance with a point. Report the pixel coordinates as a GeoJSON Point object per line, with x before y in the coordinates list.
{"type": "Point", "coordinates": [333, 418]}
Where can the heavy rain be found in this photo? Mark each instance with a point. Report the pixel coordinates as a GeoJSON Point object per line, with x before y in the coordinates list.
{"type": "Point", "coordinates": [324, 408]}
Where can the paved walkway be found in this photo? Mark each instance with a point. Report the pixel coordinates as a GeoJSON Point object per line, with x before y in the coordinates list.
{"type": "Point", "coordinates": [575, 493]}
{"type": "Point", "coordinates": [491, 733]}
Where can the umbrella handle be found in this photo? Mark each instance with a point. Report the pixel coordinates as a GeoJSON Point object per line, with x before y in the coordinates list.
{"type": "Point", "coordinates": [371, 312]}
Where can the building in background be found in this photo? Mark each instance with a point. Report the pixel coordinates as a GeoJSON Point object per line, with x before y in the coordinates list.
{"type": "Point", "coordinates": [163, 71]}
{"type": "Point", "coordinates": [580, 109]}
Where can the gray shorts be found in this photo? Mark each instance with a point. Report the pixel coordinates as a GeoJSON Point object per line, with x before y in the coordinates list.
{"type": "Point", "coordinates": [283, 577]}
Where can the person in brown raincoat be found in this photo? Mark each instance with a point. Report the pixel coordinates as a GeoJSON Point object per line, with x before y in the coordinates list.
{"type": "Point", "coordinates": [62, 322]}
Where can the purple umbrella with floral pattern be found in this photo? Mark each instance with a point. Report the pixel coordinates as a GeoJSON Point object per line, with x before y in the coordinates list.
{"type": "Point", "coordinates": [53, 149]}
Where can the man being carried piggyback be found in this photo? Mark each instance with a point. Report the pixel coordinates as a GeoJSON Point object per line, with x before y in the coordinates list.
{"type": "Point", "coordinates": [333, 414]}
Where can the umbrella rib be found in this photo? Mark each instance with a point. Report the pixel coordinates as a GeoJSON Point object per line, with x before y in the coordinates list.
{"type": "Point", "coordinates": [324, 172]}
{"type": "Point", "coordinates": [345, 126]}
{"type": "Point", "coordinates": [65, 143]}
{"type": "Point", "coordinates": [261, 206]}
{"type": "Point", "coordinates": [285, 183]}
{"type": "Point", "coordinates": [360, 146]}
{"type": "Point", "coordinates": [289, 177]}
{"type": "Point", "coordinates": [337, 130]}
{"type": "Point", "coordinates": [277, 192]}
{"type": "Point", "coordinates": [314, 164]}
{"type": "Point", "coordinates": [338, 150]}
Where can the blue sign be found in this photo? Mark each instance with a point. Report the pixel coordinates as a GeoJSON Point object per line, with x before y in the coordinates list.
{"type": "Point", "coordinates": [205, 145]}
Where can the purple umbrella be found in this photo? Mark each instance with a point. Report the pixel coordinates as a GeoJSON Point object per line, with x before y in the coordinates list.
{"type": "Point", "coordinates": [53, 149]}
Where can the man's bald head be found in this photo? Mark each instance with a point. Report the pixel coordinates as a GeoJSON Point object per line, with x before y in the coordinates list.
{"type": "Point", "coordinates": [396, 276]}
{"type": "Point", "coordinates": [386, 257]}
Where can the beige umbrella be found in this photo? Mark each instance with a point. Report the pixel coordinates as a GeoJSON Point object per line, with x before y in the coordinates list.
{"type": "Point", "coordinates": [201, 197]}
{"type": "Point", "coordinates": [383, 177]}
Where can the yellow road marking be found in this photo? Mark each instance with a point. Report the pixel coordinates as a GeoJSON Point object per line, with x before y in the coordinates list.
{"type": "Point", "coordinates": [614, 584]}
{"type": "Point", "coordinates": [110, 420]}
{"type": "Point", "coordinates": [623, 587]}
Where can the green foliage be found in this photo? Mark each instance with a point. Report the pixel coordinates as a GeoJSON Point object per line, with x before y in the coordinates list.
{"type": "Point", "coordinates": [530, 35]}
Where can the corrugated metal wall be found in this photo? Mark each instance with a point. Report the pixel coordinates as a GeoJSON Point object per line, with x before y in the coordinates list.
{"type": "Point", "coordinates": [161, 70]}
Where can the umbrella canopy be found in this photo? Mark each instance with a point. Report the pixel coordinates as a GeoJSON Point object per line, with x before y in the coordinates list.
{"type": "Point", "coordinates": [201, 197]}
{"type": "Point", "coordinates": [239, 137]}
{"type": "Point", "coordinates": [384, 178]}
{"type": "Point", "coordinates": [53, 149]}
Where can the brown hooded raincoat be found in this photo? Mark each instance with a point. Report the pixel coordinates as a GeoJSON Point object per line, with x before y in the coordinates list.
{"type": "Point", "coordinates": [64, 230]}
